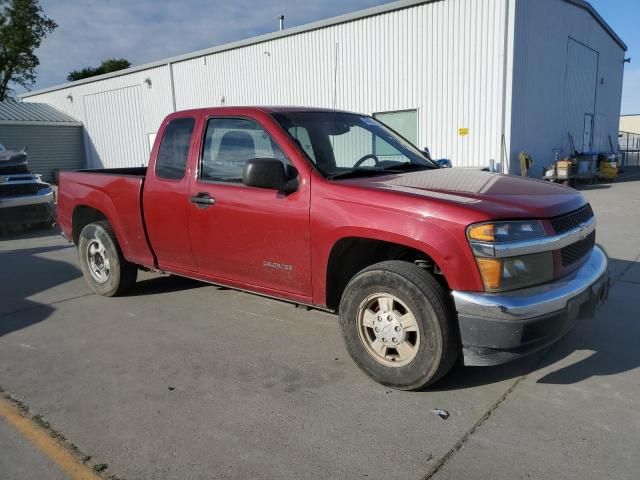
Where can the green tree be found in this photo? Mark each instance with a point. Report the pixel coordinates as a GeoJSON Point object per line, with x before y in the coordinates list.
{"type": "Point", "coordinates": [114, 64]}
{"type": "Point", "coordinates": [107, 66]}
{"type": "Point", "coordinates": [23, 27]}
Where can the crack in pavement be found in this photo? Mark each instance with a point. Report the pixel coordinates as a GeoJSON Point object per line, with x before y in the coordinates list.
{"type": "Point", "coordinates": [465, 438]}
{"type": "Point", "coordinates": [460, 443]}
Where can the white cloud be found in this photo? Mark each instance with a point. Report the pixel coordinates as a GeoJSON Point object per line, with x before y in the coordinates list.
{"type": "Point", "coordinates": [146, 30]}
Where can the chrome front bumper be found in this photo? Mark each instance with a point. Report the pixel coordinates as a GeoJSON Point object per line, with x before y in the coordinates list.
{"type": "Point", "coordinates": [44, 195]}
{"type": "Point", "coordinates": [27, 209]}
{"type": "Point", "coordinates": [498, 327]}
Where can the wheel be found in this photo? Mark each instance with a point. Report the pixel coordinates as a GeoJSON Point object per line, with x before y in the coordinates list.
{"type": "Point", "coordinates": [104, 268]}
{"type": "Point", "coordinates": [398, 326]}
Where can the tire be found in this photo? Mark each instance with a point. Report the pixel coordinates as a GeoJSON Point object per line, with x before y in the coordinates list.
{"type": "Point", "coordinates": [104, 267]}
{"type": "Point", "coordinates": [427, 345]}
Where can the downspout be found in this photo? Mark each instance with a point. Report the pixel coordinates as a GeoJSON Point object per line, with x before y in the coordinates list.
{"type": "Point", "coordinates": [172, 86]}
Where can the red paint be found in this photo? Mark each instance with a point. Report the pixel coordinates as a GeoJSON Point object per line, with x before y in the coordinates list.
{"type": "Point", "coordinates": [166, 206]}
{"type": "Point", "coordinates": [117, 198]}
{"type": "Point", "coordinates": [250, 236]}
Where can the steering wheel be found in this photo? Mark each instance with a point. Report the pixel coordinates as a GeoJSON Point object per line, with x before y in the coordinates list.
{"type": "Point", "coordinates": [365, 158]}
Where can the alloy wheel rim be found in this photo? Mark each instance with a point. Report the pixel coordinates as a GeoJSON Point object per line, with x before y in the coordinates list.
{"type": "Point", "coordinates": [388, 330]}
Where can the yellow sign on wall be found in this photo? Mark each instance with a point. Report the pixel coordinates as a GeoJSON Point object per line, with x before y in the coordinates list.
{"type": "Point", "coordinates": [463, 132]}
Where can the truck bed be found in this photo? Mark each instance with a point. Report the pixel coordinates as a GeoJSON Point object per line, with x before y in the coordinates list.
{"type": "Point", "coordinates": [117, 193]}
{"type": "Point", "coordinates": [129, 171]}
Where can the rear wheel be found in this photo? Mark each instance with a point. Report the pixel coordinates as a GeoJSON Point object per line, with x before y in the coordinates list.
{"type": "Point", "coordinates": [398, 325]}
{"type": "Point", "coordinates": [104, 267]}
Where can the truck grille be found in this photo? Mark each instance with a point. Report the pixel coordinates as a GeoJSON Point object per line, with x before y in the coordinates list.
{"type": "Point", "coordinates": [576, 251]}
{"type": "Point", "coordinates": [567, 222]}
{"type": "Point", "coordinates": [18, 189]}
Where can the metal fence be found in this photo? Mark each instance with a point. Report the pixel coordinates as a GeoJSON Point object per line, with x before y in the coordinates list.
{"type": "Point", "coordinates": [629, 144]}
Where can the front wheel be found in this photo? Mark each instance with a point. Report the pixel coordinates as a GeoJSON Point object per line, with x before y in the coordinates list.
{"type": "Point", "coordinates": [104, 267]}
{"type": "Point", "coordinates": [397, 325]}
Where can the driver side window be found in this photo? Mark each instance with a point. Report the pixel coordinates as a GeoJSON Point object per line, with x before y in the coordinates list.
{"type": "Point", "coordinates": [229, 143]}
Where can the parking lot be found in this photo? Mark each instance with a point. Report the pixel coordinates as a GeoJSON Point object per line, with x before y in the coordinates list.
{"type": "Point", "coordinates": [186, 380]}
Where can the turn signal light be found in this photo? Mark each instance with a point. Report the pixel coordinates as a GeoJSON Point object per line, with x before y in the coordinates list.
{"type": "Point", "coordinates": [483, 232]}
{"type": "Point", "coordinates": [491, 271]}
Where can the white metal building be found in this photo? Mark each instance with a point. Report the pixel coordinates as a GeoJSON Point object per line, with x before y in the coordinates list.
{"type": "Point", "coordinates": [630, 124]}
{"type": "Point", "coordinates": [629, 139]}
{"type": "Point", "coordinates": [472, 79]}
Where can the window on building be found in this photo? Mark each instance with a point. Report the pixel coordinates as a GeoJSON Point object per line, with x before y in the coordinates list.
{"type": "Point", "coordinates": [229, 143]}
{"type": "Point", "coordinates": [405, 122]}
{"type": "Point", "coordinates": [174, 149]}
{"type": "Point", "coordinates": [352, 145]}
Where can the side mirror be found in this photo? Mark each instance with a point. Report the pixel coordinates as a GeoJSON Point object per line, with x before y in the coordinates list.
{"type": "Point", "coordinates": [427, 153]}
{"type": "Point", "coordinates": [444, 163]}
{"type": "Point", "coordinates": [271, 174]}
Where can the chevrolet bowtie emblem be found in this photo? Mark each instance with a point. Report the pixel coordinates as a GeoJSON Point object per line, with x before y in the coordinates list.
{"type": "Point", "coordinates": [584, 231]}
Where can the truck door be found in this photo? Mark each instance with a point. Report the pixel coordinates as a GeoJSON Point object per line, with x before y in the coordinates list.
{"type": "Point", "coordinates": [165, 195]}
{"type": "Point", "coordinates": [242, 235]}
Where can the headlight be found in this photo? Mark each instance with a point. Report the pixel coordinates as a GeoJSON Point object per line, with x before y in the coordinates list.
{"type": "Point", "coordinates": [506, 231]}
{"type": "Point", "coordinates": [511, 273]}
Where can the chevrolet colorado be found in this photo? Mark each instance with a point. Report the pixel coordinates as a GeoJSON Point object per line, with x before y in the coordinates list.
{"type": "Point", "coordinates": [334, 210]}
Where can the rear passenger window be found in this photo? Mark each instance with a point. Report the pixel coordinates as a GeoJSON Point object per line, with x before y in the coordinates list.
{"type": "Point", "coordinates": [229, 143]}
{"type": "Point", "coordinates": [174, 149]}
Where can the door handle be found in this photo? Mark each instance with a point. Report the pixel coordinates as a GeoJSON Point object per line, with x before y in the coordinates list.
{"type": "Point", "coordinates": [203, 200]}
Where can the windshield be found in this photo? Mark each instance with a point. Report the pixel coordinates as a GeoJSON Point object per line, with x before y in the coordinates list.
{"type": "Point", "coordinates": [348, 145]}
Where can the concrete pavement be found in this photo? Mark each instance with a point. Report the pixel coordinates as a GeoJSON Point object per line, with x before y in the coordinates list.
{"type": "Point", "coordinates": [21, 460]}
{"type": "Point", "coordinates": [186, 380]}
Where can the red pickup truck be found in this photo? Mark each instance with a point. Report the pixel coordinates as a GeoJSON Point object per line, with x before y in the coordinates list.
{"type": "Point", "coordinates": [336, 211]}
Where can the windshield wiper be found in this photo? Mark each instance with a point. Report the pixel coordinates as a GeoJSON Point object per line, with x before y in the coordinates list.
{"type": "Point", "coordinates": [358, 172]}
{"type": "Point", "coordinates": [407, 166]}
{"type": "Point", "coordinates": [365, 172]}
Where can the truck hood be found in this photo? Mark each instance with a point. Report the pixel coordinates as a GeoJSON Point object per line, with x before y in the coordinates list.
{"type": "Point", "coordinates": [13, 162]}
{"type": "Point", "coordinates": [497, 196]}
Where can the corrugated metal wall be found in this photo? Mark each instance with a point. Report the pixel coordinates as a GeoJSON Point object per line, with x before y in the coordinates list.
{"type": "Point", "coordinates": [444, 59]}
{"type": "Point", "coordinates": [630, 123]}
{"type": "Point", "coordinates": [540, 115]}
{"type": "Point", "coordinates": [105, 127]}
{"type": "Point", "coordinates": [50, 146]}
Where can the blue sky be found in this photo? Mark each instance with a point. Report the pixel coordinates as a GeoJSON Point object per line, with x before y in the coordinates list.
{"type": "Point", "coordinates": [146, 30]}
{"type": "Point", "coordinates": [624, 17]}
